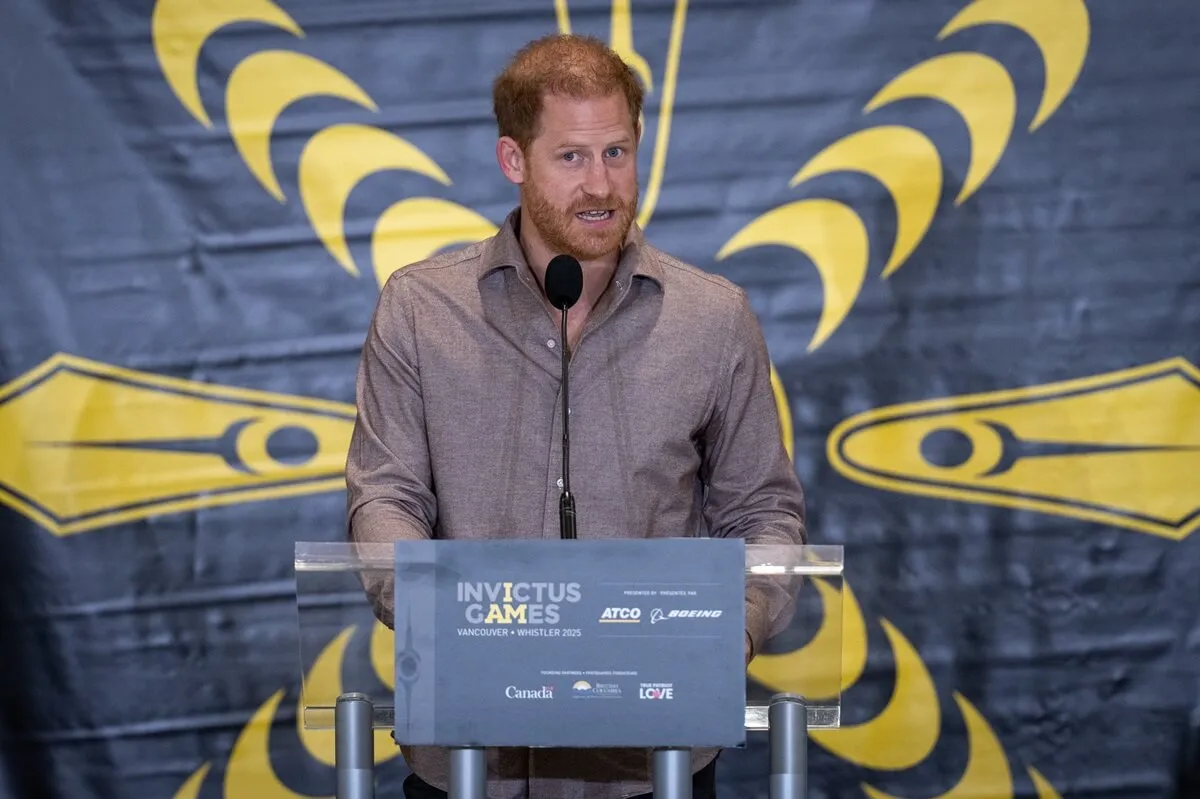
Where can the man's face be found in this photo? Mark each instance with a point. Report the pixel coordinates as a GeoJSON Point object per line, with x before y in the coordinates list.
{"type": "Point", "coordinates": [581, 184]}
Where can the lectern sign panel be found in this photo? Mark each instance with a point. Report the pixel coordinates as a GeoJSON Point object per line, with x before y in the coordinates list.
{"type": "Point", "coordinates": [578, 643]}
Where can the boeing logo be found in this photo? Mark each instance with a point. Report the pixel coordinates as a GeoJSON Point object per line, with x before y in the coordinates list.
{"type": "Point", "coordinates": [658, 614]}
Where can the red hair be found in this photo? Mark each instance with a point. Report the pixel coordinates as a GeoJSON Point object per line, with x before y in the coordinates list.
{"type": "Point", "coordinates": [579, 67]}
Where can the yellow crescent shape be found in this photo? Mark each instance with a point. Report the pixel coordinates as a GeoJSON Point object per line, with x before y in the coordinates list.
{"type": "Point", "coordinates": [417, 228]}
{"type": "Point", "coordinates": [179, 29]}
{"type": "Point", "coordinates": [335, 160]}
{"type": "Point", "coordinates": [905, 731]}
{"type": "Point", "coordinates": [979, 89]}
{"type": "Point", "coordinates": [905, 161]}
{"type": "Point", "coordinates": [191, 788]}
{"type": "Point", "coordinates": [262, 86]}
{"type": "Point", "coordinates": [1060, 28]}
{"type": "Point", "coordinates": [1044, 789]}
{"type": "Point", "coordinates": [249, 771]}
{"type": "Point", "coordinates": [662, 138]}
{"type": "Point", "coordinates": [383, 655]}
{"type": "Point", "coordinates": [785, 412]}
{"type": "Point", "coordinates": [324, 681]}
{"type": "Point", "coordinates": [810, 671]}
{"type": "Point", "coordinates": [987, 772]}
{"type": "Point", "coordinates": [620, 39]}
{"type": "Point", "coordinates": [829, 233]}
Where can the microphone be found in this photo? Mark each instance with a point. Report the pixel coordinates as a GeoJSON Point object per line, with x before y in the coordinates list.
{"type": "Point", "coordinates": [564, 284]}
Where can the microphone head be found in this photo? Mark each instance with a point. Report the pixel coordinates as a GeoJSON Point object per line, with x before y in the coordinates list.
{"type": "Point", "coordinates": [564, 281]}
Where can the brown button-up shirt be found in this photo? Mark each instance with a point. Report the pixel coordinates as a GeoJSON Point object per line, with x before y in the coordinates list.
{"type": "Point", "coordinates": [674, 432]}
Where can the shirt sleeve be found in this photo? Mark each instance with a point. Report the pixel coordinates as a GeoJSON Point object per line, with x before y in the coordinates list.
{"type": "Point", "coordinates": [389, 491]}
{"type": "Point", "coordinates": [751, 488]}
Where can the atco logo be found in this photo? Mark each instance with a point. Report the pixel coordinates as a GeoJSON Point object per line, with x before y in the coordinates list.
{"type": "Point", "coordinates": [628, 615]}
{"type": "Point", "coordinates": [658, 614]}
{"type": "Point", "coordinates": [656, 690]}
{"type": "Point", "coordinates": [545, 692]}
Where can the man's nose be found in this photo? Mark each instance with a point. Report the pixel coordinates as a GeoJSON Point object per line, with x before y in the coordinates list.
{"type": "Point", "coordinates": [597, 182]}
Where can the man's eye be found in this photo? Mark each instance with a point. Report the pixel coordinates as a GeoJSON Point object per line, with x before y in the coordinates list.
{"type": "Point", "coordinates": [613, 152]}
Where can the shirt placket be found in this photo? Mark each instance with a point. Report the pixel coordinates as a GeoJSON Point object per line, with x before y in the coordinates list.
{"type": "Point", "coordinates": [544, 347]}
{"type": "Point", "coordinates": [577, 365]}
{"type": "Point", "coordinates": [554, 461]}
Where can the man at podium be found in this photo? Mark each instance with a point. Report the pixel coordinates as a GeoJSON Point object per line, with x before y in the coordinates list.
{"type": "Point", "coordinates": [672, 422]}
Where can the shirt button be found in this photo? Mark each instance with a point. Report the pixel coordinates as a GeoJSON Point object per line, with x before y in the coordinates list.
{"type": "Point", "coordinates": [550, 343]}
{"type": "Point", "coordinates": [559, 482]}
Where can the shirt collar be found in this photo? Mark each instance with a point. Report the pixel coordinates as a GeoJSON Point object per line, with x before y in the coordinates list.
{"type": "Point", "coordinates": [504, 250]}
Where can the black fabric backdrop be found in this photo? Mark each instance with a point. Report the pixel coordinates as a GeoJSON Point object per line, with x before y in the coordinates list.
{"type": "Point", "coordinates": [1017, 542]}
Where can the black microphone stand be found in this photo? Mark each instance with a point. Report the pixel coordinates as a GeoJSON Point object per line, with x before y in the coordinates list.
{"type": "Point", "coordinates": [566, 502]}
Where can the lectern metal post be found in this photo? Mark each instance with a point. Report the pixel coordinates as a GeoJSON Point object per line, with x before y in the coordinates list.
{"type": "Point", "coordinates": [787, 734]}
{"type": "Point", "coordinates": [672, 774]}
{"type": "Point", "coordinates": [354, 747]}
{"type": "Point", "coordinates": [468, 773]}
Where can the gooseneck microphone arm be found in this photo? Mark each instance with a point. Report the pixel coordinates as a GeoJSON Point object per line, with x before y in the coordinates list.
{"type": "Point", "coordinates": [566, 502]}
{"type": "Point", "coordinates": [564, 284]}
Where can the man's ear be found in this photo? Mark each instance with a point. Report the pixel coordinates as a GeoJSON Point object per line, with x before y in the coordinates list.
{"type": "Point", "coordinates": [511, 159]}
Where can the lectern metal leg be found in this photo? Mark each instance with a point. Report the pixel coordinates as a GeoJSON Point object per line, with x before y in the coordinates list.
{"type": "Point", "coordinates": [787, 734]}
{"type": "Point", "coordinates": [672, 774]}
{"type": "Point", "coordinates": [468, 773]}
{"type": "Point", "coordinates": [354, 747]}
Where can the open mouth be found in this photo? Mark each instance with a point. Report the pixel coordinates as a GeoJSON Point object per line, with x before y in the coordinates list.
{"type": "Point", "coordinates": [594, 216]}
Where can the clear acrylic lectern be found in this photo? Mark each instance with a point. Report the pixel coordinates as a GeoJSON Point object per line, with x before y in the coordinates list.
{"type": "Point", "coordinates": [351, 665]}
